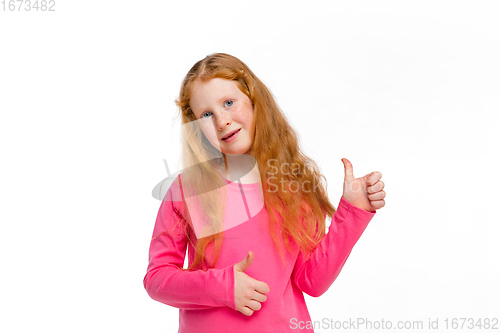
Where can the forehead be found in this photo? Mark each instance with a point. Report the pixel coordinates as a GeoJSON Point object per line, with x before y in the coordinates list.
{"type": "Point", "coordinates": [204, 94]}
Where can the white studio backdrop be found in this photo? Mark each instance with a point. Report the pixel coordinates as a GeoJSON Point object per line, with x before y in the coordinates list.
{"type": "Point", "coordinates": [88, 115]}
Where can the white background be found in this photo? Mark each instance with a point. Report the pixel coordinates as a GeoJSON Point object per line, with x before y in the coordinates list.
{"type": "Point", "coordinates": [88, 115]}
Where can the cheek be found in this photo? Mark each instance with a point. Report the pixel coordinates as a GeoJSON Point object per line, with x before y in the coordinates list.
{"type": "Point", "coordinates": [244, 115]}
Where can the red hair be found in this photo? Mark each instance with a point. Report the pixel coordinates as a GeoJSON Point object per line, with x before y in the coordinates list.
{"type": "Point", "coordinates": [274, 140]}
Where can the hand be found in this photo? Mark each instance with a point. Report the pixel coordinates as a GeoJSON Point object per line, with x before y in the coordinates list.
{"type": "Point", "coordinates": [365, 192]}
{"type": "Point", "coordinates": [248, 292]}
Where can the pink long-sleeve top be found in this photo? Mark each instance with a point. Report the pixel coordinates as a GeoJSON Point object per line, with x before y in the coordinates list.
{"type": "Point", "coordinates": [206, 299]}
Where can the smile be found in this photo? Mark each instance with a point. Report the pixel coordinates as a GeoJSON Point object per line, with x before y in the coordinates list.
{"type": "Point", "coordinates": [232, 136]}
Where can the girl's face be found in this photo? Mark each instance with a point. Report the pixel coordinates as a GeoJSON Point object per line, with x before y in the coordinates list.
{"type": "Point", "coordinates": [221, 108]}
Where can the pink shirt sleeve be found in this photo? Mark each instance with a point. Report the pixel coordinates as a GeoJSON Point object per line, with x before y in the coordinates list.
{"type": "Point", "coordinates": [166, 282]}
{"type": "Point", "coordinates": [316, 273]}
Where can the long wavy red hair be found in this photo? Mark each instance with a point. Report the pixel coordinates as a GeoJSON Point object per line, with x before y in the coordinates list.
{"type": "Point", "coordinates": [274, 140]}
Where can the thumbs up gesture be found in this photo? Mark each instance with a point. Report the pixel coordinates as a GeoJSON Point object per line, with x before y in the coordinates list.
{"type": "Point", "coordinates": [248, 292]}
{"type": "Point", "coordinates": [365, 192]}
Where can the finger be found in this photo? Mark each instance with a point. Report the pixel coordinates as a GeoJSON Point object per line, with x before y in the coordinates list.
{"type": "Point", "coordinates": [373, 178]}
{"type": "Point", "coordinates": [246, 311]}
{"type": "Point", "coordinates": [376, 196]}
{"type": "Point", "coordinates": [261, 287]}
{"type": "Point", "coordinates": [348, 170]}
{"type": "Point", "coordinates": [377, 204]}
{"type": "Point", "coordinates": [375, 188]}
{"type": "Point", "coordinates": [253, 305]}
{"type": "Point", "coordinates": [259, 297]}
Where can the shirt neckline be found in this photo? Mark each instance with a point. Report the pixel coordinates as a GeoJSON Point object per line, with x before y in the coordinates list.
{"type": "Point", "coordinates": [236, 183]}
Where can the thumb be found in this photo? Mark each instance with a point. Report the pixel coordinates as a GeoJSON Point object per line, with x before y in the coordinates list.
{"type": "Point", "coordinates": [245, 263]}
{"type": "Point", "coordinates": [348, 171]}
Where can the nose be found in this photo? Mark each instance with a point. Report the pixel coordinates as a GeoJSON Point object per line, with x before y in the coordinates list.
{"type": "Point", "coordinates": [222, 120]}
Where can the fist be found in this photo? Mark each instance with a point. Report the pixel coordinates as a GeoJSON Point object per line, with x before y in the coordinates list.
{"type": "Point", "coordinates": [248, 292]}
{"type": "Point", "coordinates": [365, 192]}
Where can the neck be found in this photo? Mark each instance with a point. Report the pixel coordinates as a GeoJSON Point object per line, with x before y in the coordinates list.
{"type": "Point", "coordinates": [241, 168]}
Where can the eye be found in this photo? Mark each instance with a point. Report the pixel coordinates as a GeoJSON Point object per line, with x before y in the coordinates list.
{"type": "Point", "coordinates": [228, 103]}
{"type": "Point", "coordinates": [203, 115]}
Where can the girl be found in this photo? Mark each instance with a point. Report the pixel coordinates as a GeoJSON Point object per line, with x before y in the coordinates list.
{"type": "Point", "coordinates": [251, 208]}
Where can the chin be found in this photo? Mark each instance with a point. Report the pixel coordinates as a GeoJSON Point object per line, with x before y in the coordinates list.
{"type": "Point", "coordinates": [235, 151]}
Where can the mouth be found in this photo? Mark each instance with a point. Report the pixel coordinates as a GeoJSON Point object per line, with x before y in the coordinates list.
{"type": "Point", "coordinates": [230, 135]}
